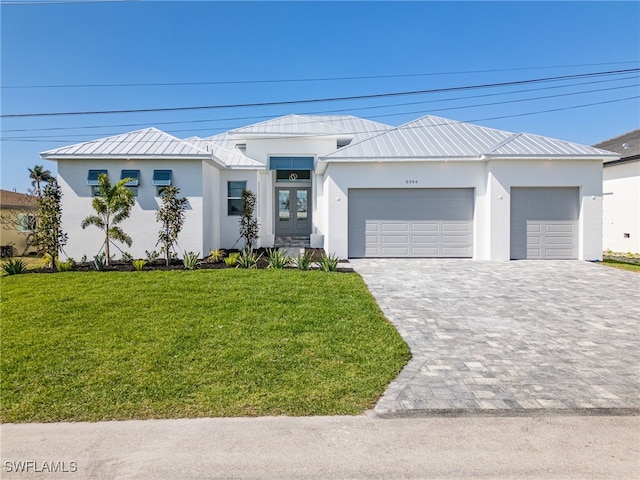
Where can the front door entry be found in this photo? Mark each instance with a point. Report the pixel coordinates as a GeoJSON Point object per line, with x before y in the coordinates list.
{"type": "Point", "coordinates": [293, 212]}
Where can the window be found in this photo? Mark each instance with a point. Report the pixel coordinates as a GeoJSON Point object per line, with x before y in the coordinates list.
{"type": "Point", "coordinates": [161, 179]}
{"type": "Point", "coordinates": [133, 184]}
{"type": "Point", "coordinates": [92, 180]}
{"type": "Point", "coordinates": [234, 197]}
{"type": "Point", "coordinates": [26, 222]}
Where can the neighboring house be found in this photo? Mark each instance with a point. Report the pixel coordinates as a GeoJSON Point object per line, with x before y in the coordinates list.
{"type": "Point", "coordinates": [621, 194]}
{"type": "Point", "coordinates": [18, 221]}
{"type": "Point", "coordinates": [429, 188]}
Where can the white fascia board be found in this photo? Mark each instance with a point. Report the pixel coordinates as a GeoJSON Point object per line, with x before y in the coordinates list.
{"type": "Point", "coordinates": [551, 157]}
{"type": "Point", "coordinates": [91, 158]}
{"type": "Point", "coordinates": [324, 162]}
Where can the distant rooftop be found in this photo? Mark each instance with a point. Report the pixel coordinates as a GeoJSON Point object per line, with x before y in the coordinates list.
{"type": "Point", "coordinates": [627, 144]}
{"type": "Point", "coordinates": [10, 199]}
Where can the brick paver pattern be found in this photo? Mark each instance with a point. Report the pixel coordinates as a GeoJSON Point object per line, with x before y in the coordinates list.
{"type": "Point", "coordinates": [510, 336]}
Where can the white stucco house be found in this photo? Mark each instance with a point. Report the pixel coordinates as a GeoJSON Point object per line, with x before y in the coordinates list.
{"type": "Point", "coordinates": [621, 194]}
{"type": "Point", "coordinates": [430, 188]}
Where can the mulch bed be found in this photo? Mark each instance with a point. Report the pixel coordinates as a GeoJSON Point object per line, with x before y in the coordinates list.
{"type": "Point", "coordinates": [203, 264]}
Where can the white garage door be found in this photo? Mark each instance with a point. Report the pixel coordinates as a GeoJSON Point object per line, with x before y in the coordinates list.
{"type": "Point", "coordinates": [434, 222]}
{"type": "Point", "coordinates": [544, 223]}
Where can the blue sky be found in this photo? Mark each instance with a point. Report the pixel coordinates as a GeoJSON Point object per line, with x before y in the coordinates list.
{"type": "Point", "coordinates": [61, 51]}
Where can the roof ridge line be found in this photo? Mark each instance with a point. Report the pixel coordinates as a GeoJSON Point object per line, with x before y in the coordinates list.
{"type": "Point", "coordinates": [501, 144]}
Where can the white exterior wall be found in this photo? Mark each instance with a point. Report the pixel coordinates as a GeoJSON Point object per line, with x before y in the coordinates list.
{"type": "Point", "coordinates": [211, 208]}
{"type": "Point", "coordinates": [621, 207]}
{"type": "Point", "coordinates": [492, 182]}
{"type": "Point", "coordinates": [260, 149]}
{"type": "Point", "coordinates": [586, 175]}
{"type": "Point", "coordinates": [340, 177]}
{"type": "Point", "coordinates": [229, 226]}
{"type": "Point", "coordinates": [141, 226]}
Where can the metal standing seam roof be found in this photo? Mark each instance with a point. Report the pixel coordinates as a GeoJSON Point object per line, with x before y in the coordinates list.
{"type": "Point", "coordinates": [347, 126]}
{"type": "Point", "coordinates": [436, 137]}
{"type": "Point", "coordinates": [224, 148]}
{"type": "Point", "coordinates": [141, 143]}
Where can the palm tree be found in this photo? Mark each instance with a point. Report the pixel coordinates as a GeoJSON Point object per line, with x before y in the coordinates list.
{"type": "Point", "coordinates": [39, 175]}
{"type": "Point", "coordinates": [112, 206]}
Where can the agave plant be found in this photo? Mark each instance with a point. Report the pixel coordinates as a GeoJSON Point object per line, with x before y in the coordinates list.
{"type": "Point", "coordinates": [190, 260]}
{"type": "Point", "coordinates": [248, 258]}
{"type": "Point", "coordinates": [232, 259]}
{"type": "Point", "coordinates": [303, 261]}
{"type": "Point", "coordinates": [329, 263]}
{"type": "Point", "coordinates": [14, 266]}
{"type": "Point", "coordinates": [138, 265]}
{"type": "Point", "coordinates": [100, 261]}
{"type": "Point", "coordinates": [278, 259]}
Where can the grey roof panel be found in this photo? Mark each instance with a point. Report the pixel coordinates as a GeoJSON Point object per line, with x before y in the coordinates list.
{"type": "Point", "coordinates": [147, 142]}
{"type": "Point", "coordinates": [627, 144]}
{"type": "Point", "coordinates": [436, 137]}
{"type": "Point", "coordinates": [314, 125]}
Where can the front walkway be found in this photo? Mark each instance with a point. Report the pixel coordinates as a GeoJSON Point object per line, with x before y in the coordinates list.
{"type": "Point", "coordinates": [510, 337]}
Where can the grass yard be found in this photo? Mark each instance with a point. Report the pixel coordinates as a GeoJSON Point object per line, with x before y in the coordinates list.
{"type": "Point", "coordinates": [632, 267]}
{"type": "Point", "coordinates": [80, 346]}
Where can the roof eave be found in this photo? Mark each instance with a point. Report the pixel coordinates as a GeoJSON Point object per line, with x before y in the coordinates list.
{"type": "Point", "coordinates": [56, 157]}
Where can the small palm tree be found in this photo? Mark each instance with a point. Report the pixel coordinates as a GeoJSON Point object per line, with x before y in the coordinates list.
{"type": "Point", "coordinates": [112, 206]}
{"type": "Point", "coordinates": [39, 175]}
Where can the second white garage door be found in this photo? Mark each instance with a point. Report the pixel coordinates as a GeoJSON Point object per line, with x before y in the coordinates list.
{"type": "Point", "coordinates": [434, 222]}
{"type": "Point", "coordinates": [544, 223]}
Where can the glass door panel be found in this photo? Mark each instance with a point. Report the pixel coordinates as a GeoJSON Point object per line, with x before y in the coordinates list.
{"type": "Point", "coordinates": [284, 210]}
{"type": "Point", "coordinates": [302, 205]}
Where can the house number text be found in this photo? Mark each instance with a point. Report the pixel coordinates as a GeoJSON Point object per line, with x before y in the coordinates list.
{"type": "Point", "coordinates": [411, 182]}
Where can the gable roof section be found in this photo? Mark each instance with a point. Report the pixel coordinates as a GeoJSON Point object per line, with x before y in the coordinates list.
{"type": "Point", "coordinates": [314, 125]}
{"type": "Point", "coordinates": [149, 142]}
{"type": "Point", "coordinates": [436, 137]}
{"type": "Point", "coordinates": [223, 148]}
{"type": "Point", "coordinates": [627, 145]}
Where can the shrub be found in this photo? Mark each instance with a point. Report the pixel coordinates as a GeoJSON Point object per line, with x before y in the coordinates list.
{"type": "Point", "coordinates": [329, 263]}
{"type": "Point", "coordinates": [215, 256]}
{"type": "Point", "coordinates": [278, 259]}
{"type": "Point", "coordinates": [48, 261]}
{"type": "Point", "coordinates": [100, 261]}
{"type": "Point", "coordinates": [248, 258]}
{"type": "Point", "coordinates": [190, 260]}
{"type": "Point", "coordinates": [249, 226]}
{"type": "Point", "coordinates": [151, 255]}
{"type": "Point", "coordinates": [126, 257]}
{"type": "Point", "coordinates": [66, 266]}
{"type": "Point", "coordinates": [303, 261]}
{"type": "Point", "coordinates": [232, 259]}
{"type": "Point", "coordinates": [138, 265]}
{"type": "Point", "coordinates": [14, 266]}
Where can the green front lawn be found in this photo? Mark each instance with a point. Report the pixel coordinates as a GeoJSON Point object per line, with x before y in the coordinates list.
{"type": "Point", "coordinates": [168, 344]}
{"type": "Point", "coordinates": [632, 267]}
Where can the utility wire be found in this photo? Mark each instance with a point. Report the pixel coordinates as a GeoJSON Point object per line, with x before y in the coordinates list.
{"type": "Point", "coordinates": [444, 109]}
{"type": "Point", "coordinates": [330, 99]}
{"type": "Point", "coordinates": [316, 112]}
{"type": "Point", "coordinates": [302, 80]}
{"type": "Point", "coordinates": [407, 127]}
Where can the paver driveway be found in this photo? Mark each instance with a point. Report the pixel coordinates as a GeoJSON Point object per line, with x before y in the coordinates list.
{"type": "Point", "coordinates": [510, 337]}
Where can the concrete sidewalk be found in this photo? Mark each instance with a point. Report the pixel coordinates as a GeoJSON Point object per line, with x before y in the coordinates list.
{"type": "Point", "coordinates": [363, 447]}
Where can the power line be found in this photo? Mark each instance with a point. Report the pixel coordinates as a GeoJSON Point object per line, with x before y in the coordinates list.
{"type": "Point", "coordinates": [302, 80]}
{"type": "Point", "coordinates": [441, 124]}
{"type": "Point", "coordinates": [330, 99]}
{"type": "Point", "coordinates": [316, 112]}
{"type": "Point", "coordinates": [444, 109]}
